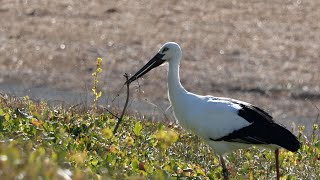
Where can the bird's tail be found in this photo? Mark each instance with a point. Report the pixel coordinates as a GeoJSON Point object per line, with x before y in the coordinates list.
{"type": "Point", "coordinates": [284, 138]}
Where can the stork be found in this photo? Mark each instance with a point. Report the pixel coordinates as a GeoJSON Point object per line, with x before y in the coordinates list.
{"type": "Point", "coordinates": [225, 124]}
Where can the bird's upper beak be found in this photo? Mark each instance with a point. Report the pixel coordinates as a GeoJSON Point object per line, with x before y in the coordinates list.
{"type": "Point", "coordinates": [154, 62]}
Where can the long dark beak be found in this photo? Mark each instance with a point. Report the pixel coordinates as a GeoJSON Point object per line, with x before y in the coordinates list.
{"type": "Point", "coordinates": [154, 62]}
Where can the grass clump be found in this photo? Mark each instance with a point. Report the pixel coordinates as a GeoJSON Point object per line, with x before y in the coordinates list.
{"type": "Point", "coordinates": [39, 141]}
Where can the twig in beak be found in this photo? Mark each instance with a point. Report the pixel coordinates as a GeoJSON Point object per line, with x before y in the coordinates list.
{"type": "Point", "coordinates": [125, 105]}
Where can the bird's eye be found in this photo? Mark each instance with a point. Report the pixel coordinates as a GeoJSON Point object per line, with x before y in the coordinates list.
{"type": "Point", "coordinates": [165, 49]}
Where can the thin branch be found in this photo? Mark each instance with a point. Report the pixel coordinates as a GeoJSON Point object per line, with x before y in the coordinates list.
{"type": "Point", "coordinates": [314, 105]}
{"type": "Point", "coordinates": [125, 105]}
{"type": "Point", "coordinates": [109, 111]}
{"type": "Point", "coordinates": [118, 93]}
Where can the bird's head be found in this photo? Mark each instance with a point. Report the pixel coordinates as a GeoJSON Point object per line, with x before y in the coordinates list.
{"type": "Point", "coordinates": [170, 51]}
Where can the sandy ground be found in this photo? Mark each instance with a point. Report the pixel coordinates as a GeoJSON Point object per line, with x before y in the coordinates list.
{"type": "Point", "coordinates": [263, 52]}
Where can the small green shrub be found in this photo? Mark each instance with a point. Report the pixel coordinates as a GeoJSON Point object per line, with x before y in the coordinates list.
{"type": "Point", "coordinates": [39, 141]}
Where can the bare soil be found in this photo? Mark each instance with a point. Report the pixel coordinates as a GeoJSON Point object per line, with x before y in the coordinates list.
{"type": "Point", "coordinates": [263, 52]}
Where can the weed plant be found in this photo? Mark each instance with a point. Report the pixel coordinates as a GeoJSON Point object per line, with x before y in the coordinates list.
{"type": "Point", "coordinates": [96, 94]}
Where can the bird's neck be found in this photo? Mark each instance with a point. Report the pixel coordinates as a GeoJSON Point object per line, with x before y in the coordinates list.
{"type": "Point", "coordinates": [175, 89]}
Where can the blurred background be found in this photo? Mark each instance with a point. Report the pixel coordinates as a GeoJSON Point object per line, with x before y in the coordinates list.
{"type": "Point", "coordinates": [263, 52]}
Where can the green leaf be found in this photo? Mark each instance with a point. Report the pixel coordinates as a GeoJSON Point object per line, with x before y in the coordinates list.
{"type": "Point", "coordinates": [7, 117]}
{"type": "Point", "coordinates": [94, 162]}
{"type": "Point", "coordinates": [1, 112]}
{"type": "Point", "coordinates": [137, 128]}
{"type": "Point", "coordinates": [135, 164]}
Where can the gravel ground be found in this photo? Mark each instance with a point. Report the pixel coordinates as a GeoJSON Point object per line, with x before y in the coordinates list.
{"type": "Point", "coordinates": [263, 52]}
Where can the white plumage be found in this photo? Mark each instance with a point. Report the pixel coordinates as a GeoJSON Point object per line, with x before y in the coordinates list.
{"type": "Point", "coordinates": [225, 124]}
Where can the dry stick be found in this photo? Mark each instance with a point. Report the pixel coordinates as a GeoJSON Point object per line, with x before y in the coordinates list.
{"type": "Point", "coordinates": [109, 112]}
{"type": "Point", "coordinates": [314, 105]}
{"type": "Point", "coordinates": [125, 105]}
{"type": "Point", "coordinates": [118, 93]}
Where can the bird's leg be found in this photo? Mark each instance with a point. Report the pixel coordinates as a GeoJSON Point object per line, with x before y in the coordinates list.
{"type": "Point", "coordinates": [224, 168]}
{"type": "Point", "coordinates": [277, 163]}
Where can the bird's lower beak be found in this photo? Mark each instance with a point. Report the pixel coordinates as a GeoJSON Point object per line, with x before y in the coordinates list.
{"type": "Point", "coordinates": [154, 62]}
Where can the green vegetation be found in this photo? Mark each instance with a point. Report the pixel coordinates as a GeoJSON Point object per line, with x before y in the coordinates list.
{"type": "Point", "coordinates": [37, 140]}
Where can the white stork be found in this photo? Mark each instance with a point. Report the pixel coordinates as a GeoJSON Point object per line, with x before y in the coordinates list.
{"type": "Point", "coordinates": [225, 124]}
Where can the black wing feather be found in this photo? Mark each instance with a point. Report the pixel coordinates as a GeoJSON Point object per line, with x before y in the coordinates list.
{"type": "Point", "coordinates": [263, 130]}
